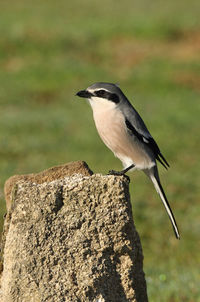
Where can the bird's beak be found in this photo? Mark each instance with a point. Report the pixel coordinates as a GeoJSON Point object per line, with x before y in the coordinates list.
{"type": "Point", "coordinates": [84, 94]}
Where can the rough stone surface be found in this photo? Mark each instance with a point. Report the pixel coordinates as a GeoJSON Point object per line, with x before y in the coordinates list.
{"type": "Point", "coordinates": [48, 175]}
{"type": "Point", "coordinates": [72, 239]}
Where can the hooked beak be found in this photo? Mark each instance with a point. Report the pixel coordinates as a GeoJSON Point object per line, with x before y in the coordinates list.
{"type": "Point", "coordinates": [84, 94]}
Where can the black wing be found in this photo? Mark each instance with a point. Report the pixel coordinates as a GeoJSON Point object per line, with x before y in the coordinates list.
{"type": "Point", "coordinates": [150, 142]}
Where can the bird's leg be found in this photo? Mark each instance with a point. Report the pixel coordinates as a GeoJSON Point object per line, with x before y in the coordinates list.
{"type": "Point", "coordinates": [113, 172]}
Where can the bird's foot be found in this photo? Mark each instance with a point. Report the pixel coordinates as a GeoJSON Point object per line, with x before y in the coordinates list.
{"type": "Point", "coordinates": [118, 173]}
{"type": "Point", "coordinates": [113, 172]}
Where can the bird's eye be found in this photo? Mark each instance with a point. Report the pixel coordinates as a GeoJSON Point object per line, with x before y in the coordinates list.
{"type": "Point", "coordinates": [100, 93]}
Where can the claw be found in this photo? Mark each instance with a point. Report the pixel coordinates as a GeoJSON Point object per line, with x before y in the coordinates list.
{"type": "Point", "coordinates": [118, 173]}
{"type": "Point", "coordinates": [113, 172]}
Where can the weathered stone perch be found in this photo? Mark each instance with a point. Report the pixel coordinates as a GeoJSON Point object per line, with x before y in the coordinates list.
{"type": "Point", "coordinates": [69, 236]}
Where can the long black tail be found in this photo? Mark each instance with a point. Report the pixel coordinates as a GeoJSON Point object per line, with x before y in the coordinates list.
{"type": "Point", "coordinates": [153, 174]}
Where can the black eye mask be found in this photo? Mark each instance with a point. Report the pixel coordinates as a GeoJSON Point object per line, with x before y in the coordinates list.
{"type": "Point", "coordinates": [107, 95]}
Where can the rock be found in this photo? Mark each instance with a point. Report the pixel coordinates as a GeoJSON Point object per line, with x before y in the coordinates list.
{"type": "Point", "coordinates": [48, 175]}
{"type": "Point", "coordinates": [72, 239]}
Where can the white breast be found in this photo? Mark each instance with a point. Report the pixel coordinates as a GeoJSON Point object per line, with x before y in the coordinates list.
{"type": "Point", "coordinates": [110, 124]}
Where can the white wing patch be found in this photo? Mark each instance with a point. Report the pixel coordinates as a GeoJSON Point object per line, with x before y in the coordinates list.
{"type": "Point", "coordinates": [145, 140]}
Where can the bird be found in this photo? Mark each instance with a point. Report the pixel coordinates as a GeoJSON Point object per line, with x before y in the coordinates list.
{"type": "Point", "coordinates": [124, 132]}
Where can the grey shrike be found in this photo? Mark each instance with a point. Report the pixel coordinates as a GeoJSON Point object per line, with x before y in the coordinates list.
{"type": "Point", "coordinates": [123, 131]}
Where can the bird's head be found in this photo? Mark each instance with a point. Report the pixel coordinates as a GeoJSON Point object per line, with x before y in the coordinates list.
{"type": "Point", "coordinates": [102, 94]}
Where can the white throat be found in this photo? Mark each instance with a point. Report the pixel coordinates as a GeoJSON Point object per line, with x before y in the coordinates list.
{"type": "Point", "coordinates": [101, 104]}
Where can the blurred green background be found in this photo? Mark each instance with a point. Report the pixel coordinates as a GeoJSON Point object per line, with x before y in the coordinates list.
{"type": "Point", "coordinates": [50, 50]}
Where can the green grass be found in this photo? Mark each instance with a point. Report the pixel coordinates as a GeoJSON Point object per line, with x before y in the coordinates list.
{"type": "Point", "coordinates": [49, 51]}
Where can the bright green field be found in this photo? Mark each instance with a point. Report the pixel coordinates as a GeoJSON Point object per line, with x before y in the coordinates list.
{"type": "Point", "coordinates": [49, 50]}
